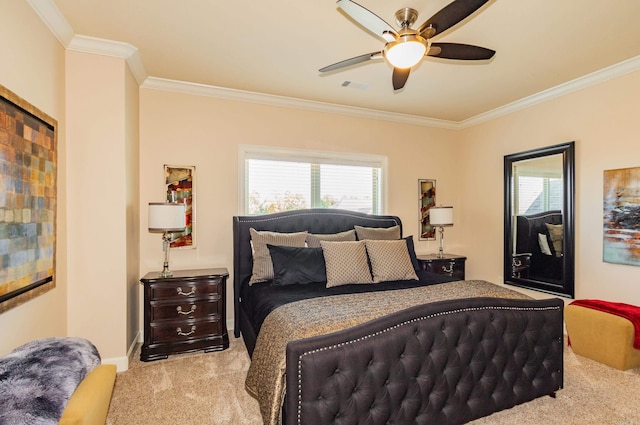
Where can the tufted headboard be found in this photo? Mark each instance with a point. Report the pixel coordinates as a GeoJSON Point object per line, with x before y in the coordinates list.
{"type": "Point", "coordinates": [321, 221]}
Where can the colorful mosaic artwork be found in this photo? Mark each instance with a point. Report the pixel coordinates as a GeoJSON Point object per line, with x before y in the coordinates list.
{"type": "Point", "coordinates": [27, 201]}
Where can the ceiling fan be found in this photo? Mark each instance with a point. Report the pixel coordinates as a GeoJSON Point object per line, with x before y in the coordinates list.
{"type": "Point", "coordinates": [407, 47]}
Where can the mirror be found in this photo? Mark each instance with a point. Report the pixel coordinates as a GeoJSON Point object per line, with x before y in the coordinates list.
{"type": "Point", "coordinates": [539, 219]}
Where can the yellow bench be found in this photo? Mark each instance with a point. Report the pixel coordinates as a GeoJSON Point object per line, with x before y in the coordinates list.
{"type": "Point", "coordinates": [89, 403]}
{"type": "Point", "coordinates": [603, 337]}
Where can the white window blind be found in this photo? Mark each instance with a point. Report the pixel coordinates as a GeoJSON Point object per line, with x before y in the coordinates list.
{"type": "Point", "coordinates": [283, 179]}
{"type": "Point", "coordinates": [537, 194]}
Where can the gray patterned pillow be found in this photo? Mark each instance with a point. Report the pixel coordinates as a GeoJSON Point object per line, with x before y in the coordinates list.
{"type": "Point", "coordinates": [313, 240]}
{"type": "Point", "coordinates": [262, 265]}
{"type": "Point", "coordinates": [346, 263]}
{"type": "Point", "coordinates": [390, 260]}
{"type": "Point", "coordinates": [378, 233]}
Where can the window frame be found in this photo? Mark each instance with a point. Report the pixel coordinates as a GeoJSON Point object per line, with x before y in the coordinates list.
{"type": "Point", "coordinates": [246, 152]}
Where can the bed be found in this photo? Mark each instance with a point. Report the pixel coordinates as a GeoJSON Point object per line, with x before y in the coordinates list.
{"type": "Point", "coordinates": [427, 351]}
{"type": "Point", "coordinates": [541, 236]}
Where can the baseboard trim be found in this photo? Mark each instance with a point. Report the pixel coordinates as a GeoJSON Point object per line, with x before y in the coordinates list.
{"type": "Point", "coordinates": [122, 363]}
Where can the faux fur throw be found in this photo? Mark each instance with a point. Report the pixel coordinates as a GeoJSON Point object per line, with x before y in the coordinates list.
{"type": "Point", "coordinates": [38, 378]}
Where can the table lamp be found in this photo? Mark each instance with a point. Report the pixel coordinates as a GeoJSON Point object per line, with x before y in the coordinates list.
{"type": "Point", "coordinates": [166, 218]}
{"type": "Point", "coordinates": [441, 217]}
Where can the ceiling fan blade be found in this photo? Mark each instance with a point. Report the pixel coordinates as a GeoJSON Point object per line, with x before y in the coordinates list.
{"type": "Point", "coordinates": [400, 76]}
{"type": "Point", "coordinates": [349, 62]}
{"type": "Point", "coordinates": [460, 51]}
{"type": "Point", "coordinates": [450, 15]}
{"type": "Point", "coordinates": [368, 20]}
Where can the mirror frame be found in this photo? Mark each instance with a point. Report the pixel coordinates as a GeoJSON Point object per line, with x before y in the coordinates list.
{"type": "Point", "coordinates": [567, 288]}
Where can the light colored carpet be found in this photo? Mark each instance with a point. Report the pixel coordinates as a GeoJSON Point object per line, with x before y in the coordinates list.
{"type": "Point", "coordinates": [208, 388]}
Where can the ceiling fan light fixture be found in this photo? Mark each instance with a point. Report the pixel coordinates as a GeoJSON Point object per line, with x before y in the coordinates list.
{"type": "Point", "coordinates": [406, 51]}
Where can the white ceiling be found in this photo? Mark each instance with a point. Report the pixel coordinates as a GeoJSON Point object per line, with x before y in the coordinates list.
{"type": "Point", "coordinates": [276, 48]}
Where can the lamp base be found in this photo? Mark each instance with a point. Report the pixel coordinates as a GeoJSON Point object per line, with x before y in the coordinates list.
{"type": "Point", "coordinates": [441, 251]}
{"type": "Point", "coordinates": [165, 271]}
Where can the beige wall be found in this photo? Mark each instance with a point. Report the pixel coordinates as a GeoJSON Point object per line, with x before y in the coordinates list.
{"type": "Point", "coordinates": [103, 153]}
{"type": "Point", "coordinates": [182, 129]}
{"type": "Point", "coordinates": [110, 167]}
{"type": "Point", "coordinates": [32, 66]}
{"type": "Point", "coordinates": [603, 122]}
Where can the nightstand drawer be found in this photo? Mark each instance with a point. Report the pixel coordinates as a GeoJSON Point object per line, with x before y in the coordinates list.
{"type": "Point", "coordinates": [175, 291]}
{"type": "Point", "coordinates": [450, 265]}
{"type": "Point", "coordinates": [188, 329]}
{"type": "Point", "coordinates": [185, 309]}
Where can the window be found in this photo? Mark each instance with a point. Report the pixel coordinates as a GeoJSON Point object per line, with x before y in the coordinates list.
{"type": "Point", "coordinates": [274, 180]}
{"type": "Point", "coordinates": [538, 194]}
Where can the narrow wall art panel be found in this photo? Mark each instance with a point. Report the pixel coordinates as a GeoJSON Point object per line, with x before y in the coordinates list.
{"type": "Point", "coordinates": [427, 193]}
{"type": "Point", "coordinates": [180, 187]}
{"type": "Point", "coordinates": [27, 200]}
{"type": "Point", "coordinates": [622, 216]}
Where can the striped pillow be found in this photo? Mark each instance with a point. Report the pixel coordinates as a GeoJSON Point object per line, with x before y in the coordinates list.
{"type": "Point", "coordinates": [346, 263]}
{"type": "Point", "coordinates": [378, 232]}
{"type": "Point", "coordinates": [390, 260]}
{"type": "Point", "coordinates": [262, 265]}
{"type": "Point", "coordinates": [313, 240]}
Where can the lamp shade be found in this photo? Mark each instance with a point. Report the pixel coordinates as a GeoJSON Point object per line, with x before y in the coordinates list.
{"type": "Point", "coordinates": [441, 216]}
{"type": "Point", "coordinates": [165, 217]}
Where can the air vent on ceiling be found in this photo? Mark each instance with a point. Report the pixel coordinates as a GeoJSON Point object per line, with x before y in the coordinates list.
{"type": "Point", "coordinates": [355, 85]}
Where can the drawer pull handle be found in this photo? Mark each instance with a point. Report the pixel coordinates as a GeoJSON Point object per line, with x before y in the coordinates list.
{"type": "Point", "coordinates": [448, 270]}
{"type": "Point", "coordinates": [179, 309]}
{"type": "Point", "coordinates": [180, 333]}
{"type": "Point", "coordinates": [186, 294]}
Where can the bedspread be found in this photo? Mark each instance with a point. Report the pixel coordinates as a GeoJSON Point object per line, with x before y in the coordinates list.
{"type": "Point", "coordinates": [302, 319]}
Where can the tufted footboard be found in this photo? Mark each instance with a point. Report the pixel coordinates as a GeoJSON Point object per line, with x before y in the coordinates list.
{"type": "Point", "coordinates": [448, 362]}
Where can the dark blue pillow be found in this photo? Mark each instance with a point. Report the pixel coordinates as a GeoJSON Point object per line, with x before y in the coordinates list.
{"type": "Point", "coordinates": [297, 265]}
{"type": "Point", "coordinates": [412, 253]}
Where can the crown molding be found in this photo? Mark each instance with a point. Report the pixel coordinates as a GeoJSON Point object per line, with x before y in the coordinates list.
{"type": "Point", "coordinates": [100, 46]}
{"type": "Point", "coordinates": [597, 77]}
{"type": "Point", "coordinates": [155, 83]}
{"type": "Point", "coordinates": [53, 18]}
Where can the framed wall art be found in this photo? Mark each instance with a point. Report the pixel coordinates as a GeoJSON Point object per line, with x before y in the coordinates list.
{"type": "Point", "coordinates": [28, 167]}
{"type": "Point", "coordinates": [179, 183]}
{"type": "Point", "coordinates": [621, 215]}
{"type": "Point", "coordinates": [427, 193]}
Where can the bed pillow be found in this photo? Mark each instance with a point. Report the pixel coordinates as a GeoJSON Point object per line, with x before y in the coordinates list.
{"type": "Point", "coordinates": [378, 233]}
{"type": "Point", "coordinates": [262, 266]}
{"type": "Point", "coordinates": [390, 260]}
{"type": "Point", "coordinates": [544, 244]}
{"type": "Point", "coordinates": [313, 240]}
{"type": "Point", "coordinates": [297, 265]}
{"type": "Point", "coordinates": [555, 234]}
{"type": "Point", "coordinates": [412, 253]}
{"type": "Point", "coordinates": [346, 262]}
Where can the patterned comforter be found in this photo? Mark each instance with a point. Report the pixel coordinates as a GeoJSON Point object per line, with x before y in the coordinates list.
{"type": "Point", "coordinates": [302, 319]}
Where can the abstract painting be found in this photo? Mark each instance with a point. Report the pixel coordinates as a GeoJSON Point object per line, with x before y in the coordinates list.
{"type": "Point", "coordinates": [180, 187]}
{"type": "Point", "coordinates": [622, 216]}
{"type": "Point", "coordinates": [427, 192]}
{"type": "Point", "coordinates": [27, 201]}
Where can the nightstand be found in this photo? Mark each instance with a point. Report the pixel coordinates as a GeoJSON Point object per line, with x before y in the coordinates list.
{"type": "Point", "coordinates": [450, 264]}
{"type": "Point", "coordinates": [185, 312]}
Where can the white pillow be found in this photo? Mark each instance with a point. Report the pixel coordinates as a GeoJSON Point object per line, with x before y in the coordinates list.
{"type": "Point", "coordinates": [544, 244]}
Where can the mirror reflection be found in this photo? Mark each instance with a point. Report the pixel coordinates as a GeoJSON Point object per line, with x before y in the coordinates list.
{"type": "Point", "coordinates": [538, 219]}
